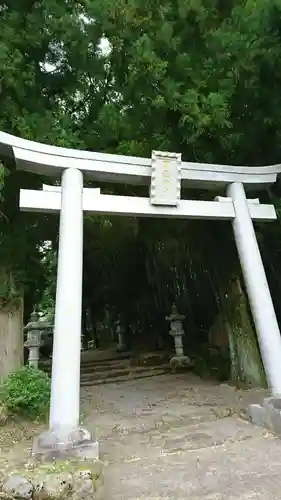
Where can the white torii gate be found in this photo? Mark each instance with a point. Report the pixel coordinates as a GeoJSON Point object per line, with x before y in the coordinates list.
{"type": "Point", "coordinates": [166, 174]}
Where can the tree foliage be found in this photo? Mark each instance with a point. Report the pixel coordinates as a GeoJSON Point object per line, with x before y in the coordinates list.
{"type": "Point", "coordinates": [26, 393]}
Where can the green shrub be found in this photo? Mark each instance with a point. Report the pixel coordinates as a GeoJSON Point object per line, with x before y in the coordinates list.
{"type": "Point", "coordinates": [26, 393]}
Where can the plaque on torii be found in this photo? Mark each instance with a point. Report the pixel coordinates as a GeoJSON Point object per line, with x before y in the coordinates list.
{"type": "Point", "coordinates": [165, 187]}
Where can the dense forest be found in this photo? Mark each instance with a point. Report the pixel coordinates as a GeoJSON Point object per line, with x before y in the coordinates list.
{"type": "Point", "coordinates": [199, 77]}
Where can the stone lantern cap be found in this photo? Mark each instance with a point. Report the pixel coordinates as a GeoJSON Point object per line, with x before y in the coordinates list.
{"type": "Point", "coordinates": [33, 329]}
{"type": "Point", "coordinates": [33, 324]}
{"type": "Point", "coordinates": [175, 316]}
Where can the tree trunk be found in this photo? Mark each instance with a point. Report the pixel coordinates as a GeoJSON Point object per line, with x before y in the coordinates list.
{"type": "Point", "coordinates": [246, 364]}
{"type": "Point", "coordinates": [11, 338]}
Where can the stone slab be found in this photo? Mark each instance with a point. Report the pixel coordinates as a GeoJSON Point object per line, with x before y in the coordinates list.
{"type": "Point", "coordinates": [257, 415]}
{"type": "Point", "coordinates": [236, 471]}
{"type": "Point", "coordinates": [267, 415]}
{"type": "Point", "coordinates": [211, 434]}
{"type": "Point", "coordinates": [65, 443]}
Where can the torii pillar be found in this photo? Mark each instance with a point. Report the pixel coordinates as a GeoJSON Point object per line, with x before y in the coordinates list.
{"type": "Point", "coordinates": [257, 287]}
{"type": "Point", "coordinates": [67, 328]}
{"type": "Point", "coordinates": [65, 436]}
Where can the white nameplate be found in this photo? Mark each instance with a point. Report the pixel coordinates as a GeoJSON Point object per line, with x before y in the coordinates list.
{"type": "Point", "coordinates": [165, 178]}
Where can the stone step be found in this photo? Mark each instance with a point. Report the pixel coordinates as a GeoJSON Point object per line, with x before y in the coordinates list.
{"type": "Point", "coordinates": [110, 369]}
{"type": "Point", "coordinates": [128, 372]}
{"type": "Point", "coordinates": [97, 367]}
{"type": "Point", "coordinates": [103, 356]}
{"type": "Point", "coordinates": [114, 376]}
{"type": "Point", "coordinates": [118, 365]}
{"type": "Point", "coordinates": [124, 378]}
{"type": "Point", "coordinates": [146, 359]}
{"type": "Point", "coordinates": [117, 368]}
{"type": "Point", "coordinates": [113, 364]}
{"type": "Point", "coordinates": [103, 367]}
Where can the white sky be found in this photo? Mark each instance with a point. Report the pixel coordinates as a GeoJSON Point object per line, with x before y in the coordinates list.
{"type": "Point", "coordinates": [104, 47]}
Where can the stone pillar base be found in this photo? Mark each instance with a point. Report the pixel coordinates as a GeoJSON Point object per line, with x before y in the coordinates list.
{"type": "Point", "coordinates": [65, 443]}
{"type": "Point", "coordinates": [121, 348]}
{"type": "Point", "coordinates": [180, 362]}
{"type": "Point", "coordinates": [267, 415]}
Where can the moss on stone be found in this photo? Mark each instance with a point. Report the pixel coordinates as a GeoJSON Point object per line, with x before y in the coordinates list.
{"type": "Point", "coordinates": [246, 364]}
{"type": "Point", "coordinates": [34, 469]}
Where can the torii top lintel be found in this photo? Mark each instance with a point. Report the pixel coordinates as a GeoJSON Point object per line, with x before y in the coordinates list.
{"type": "Point", "coordinates": [51, 160]}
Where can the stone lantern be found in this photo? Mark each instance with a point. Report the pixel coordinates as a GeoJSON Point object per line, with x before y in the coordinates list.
{"type": "Point", "coordinates": [33, 341]}
{"type": "Point", "coordinates": [177, 332]}
{"type": "Point", "coordinates": [121, 346]}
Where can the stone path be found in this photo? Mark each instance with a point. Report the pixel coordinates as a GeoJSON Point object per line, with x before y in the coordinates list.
{"type": "Point", "coordinates": [177, 437]}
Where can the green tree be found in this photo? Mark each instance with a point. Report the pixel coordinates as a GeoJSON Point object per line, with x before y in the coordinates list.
{"type": "Point", "coordinates": [42, 69]}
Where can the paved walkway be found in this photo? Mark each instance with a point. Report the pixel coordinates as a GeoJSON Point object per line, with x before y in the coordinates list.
{"type": "Point", "coordinates": [177, 437]}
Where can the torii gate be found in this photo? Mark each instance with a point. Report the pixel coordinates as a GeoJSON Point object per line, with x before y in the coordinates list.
{"type": "Point", "coordinates": [164, 173]}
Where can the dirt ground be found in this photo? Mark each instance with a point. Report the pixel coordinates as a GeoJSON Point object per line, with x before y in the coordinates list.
{"type": "Point", "coordinates": [171, 437]}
